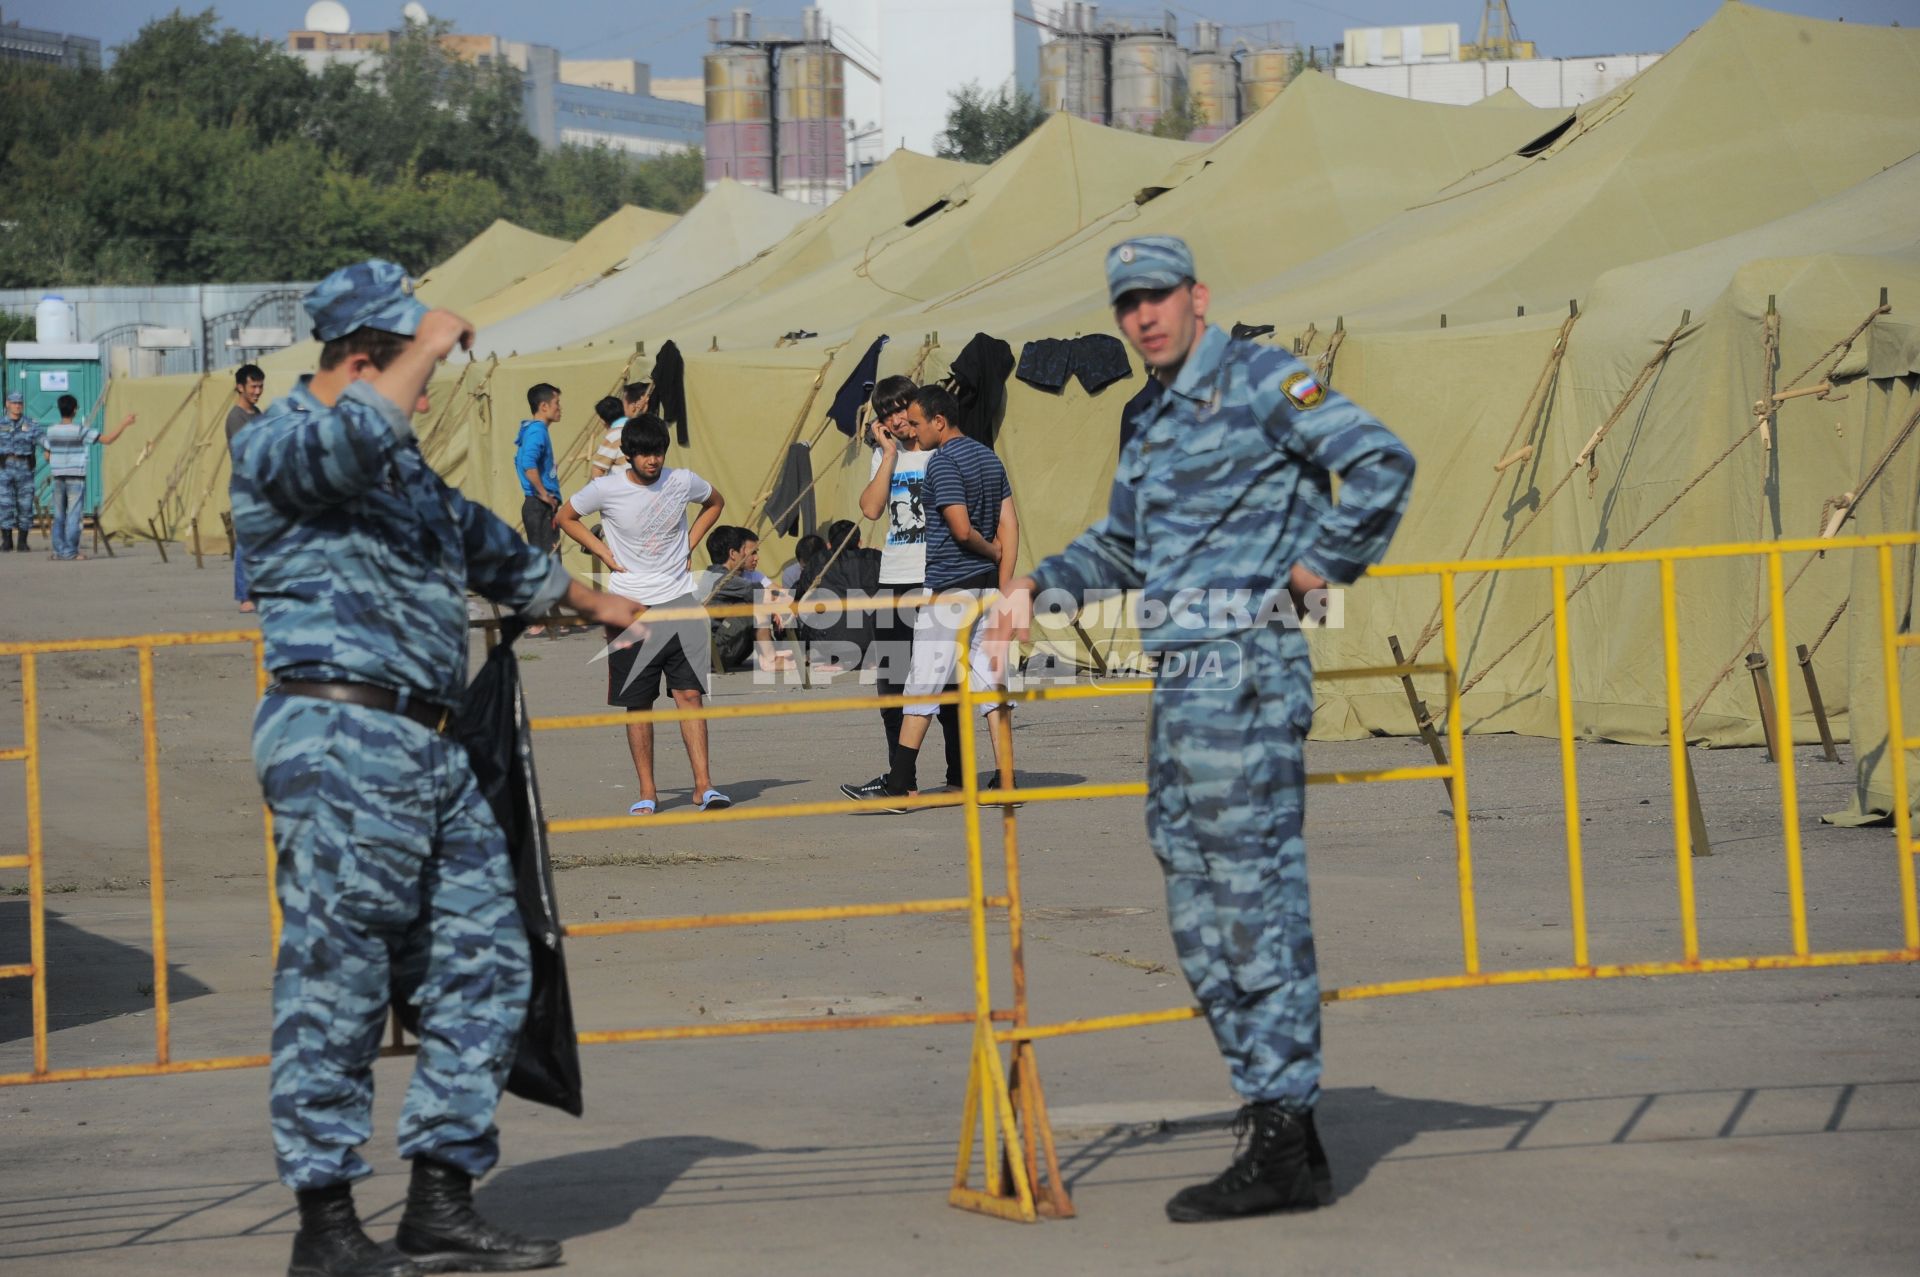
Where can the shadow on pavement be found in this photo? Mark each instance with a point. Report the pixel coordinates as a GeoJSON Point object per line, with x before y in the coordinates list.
{"type": "Point", "coordinates": [596, 1189]}
{"type": "Point", "coordinates": [89, 978]}
{"type": "Point", "coordinates": [1360, 1126]}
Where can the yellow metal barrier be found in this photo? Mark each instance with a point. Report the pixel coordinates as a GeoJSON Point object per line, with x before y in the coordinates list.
{"type": "Point", "coordinates": [1005, 1103]}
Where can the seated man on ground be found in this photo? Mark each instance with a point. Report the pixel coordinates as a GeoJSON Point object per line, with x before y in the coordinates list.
{"type": "Point", "coordinates": [644, 509]}
{"type": "Point", "coordinates": [733, 578]}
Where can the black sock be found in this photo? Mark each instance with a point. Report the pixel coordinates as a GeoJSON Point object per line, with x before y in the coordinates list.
{"type": "Point", "coordinates": [903, 776]}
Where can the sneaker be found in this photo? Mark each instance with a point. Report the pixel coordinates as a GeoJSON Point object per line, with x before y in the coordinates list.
{"type": "Point", "coordinates": [1279, 1166]}
{"type": "Point", "coordinates": [875, 791]}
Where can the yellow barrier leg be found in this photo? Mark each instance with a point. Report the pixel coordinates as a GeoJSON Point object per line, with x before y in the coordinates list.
{"type": "Point", "coordinates": [1007, 1192]}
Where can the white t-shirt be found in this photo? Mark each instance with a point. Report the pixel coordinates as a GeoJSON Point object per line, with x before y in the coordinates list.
{"type": "Point", "coordinates": [903, 555]}
{"type": "Point", "coordinates": [645, 525]}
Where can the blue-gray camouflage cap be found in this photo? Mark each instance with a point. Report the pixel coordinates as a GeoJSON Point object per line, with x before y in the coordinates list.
{"type": "Point", "coordinates": [373, 294]}
{"type": "Point", "coordinates": [1150, 261]}
{"type": "Point", "coordinates": [14, 396]}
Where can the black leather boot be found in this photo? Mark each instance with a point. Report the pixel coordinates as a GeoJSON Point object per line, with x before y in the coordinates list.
{"type": "Point", "coordinates": [1280, 1167]}
{"type": "Point", "coordinates": [6, 540]}
{"type": "Point", "coordinates": [21, 544]}
{"type": "Point", "coordinates": [442, 1233]}
{"type": "Point", "coordinates": [331, 1242]}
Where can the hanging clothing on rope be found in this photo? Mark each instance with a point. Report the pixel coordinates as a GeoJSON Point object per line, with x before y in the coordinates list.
{"type": "Point", "coordinates": [854, 391]}
{"type": "Point", "coordinates": [1099, 360]}
{"type": "Point", "coordinates": [790, 508]}
{"type": "Point", "coordinates": [1096, 359]}
{"type": "Point", "coordinates": [670, 390]}
{"type": "Point", "coordinates": [980, 382]}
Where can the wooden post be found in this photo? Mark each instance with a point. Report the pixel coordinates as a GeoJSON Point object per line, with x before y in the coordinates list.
{"type": "Point", "coordinates": [1819, 706]}
{"type": "Point", "coordinates": [194, 526]}
{"type": "Point", "coordinates": [1763, 693]}
{"type": "Point", "coordinates": [1421, 718]}
{"type": "Point", "coordinates": [158, 542]}
{"type": "Point", "coordinates": [233, 542]}
{"type": "Point", "coordinates": [1696, 820]}
{"type": "Point", "coordinates": [1099, 658]}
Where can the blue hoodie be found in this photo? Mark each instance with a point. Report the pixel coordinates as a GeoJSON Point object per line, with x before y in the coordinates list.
{"type": "Point", "coordinates": [533, 450]}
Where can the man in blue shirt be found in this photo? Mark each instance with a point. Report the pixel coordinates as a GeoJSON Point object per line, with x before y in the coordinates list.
{"type": "Point", "coordinates": [391, 872]}
{"type": "Point", "coordinates": [972, 538]}
{"type": "Point", "coordinates": [1222, 516]}
{"type": "Point", "coordinates": [538, 468]}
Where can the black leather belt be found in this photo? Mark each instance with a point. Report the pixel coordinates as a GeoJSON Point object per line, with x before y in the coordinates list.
{"type": "Point", "coordinates": [429, 715]}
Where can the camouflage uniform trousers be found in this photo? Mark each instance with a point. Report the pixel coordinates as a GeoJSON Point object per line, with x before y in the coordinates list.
{"type": "Point", "coordinates": [16, 492]}
{"type": "Point", "coordinates": [1226, 800]}
{"type": "Point", "coordinates": [393, 880]}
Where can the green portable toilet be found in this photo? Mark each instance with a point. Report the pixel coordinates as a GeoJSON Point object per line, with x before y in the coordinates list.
{"type": "Point", "coordinates": [42, 371]}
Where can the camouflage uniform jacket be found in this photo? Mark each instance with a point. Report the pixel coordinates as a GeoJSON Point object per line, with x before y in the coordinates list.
{"type": "Point", "coordinates": [19, 438]}
{"type": "Point", "coordinates": [1225, 485]}
{"type": "Point", "coordinates": [360, 556]}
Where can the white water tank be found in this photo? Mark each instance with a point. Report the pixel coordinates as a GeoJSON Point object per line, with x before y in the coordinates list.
{"type": "Point", "coordinates": [54, 323]}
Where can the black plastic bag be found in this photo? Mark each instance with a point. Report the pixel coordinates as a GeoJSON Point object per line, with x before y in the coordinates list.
{"type": "Point", "coordinates": [492, 724]}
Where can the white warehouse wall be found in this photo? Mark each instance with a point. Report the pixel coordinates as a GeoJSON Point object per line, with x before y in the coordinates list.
{"type": "Point", "coordinates": [927, 49]}
{"type": "Point", "coordinates": [1542, 82]}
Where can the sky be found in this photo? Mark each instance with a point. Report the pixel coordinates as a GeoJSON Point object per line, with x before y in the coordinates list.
{"type": "Point", "coordinates": [670, 35]}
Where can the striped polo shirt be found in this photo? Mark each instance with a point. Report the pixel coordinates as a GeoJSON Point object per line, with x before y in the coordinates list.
{"type": "Point", "coordinates": [962, 472]}
{"type": "Point", "coordinates": [67, 445]}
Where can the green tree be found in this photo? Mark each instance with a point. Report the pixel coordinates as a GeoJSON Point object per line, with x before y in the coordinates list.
{"type": "Point", "coordinates": [982, 126]}
{"type": "Point", "coordinates": [1180, 122]}
{"type": "Point", "coordinates": [205, 155]}
{"type": "Point", "coordinates": [189, 65]}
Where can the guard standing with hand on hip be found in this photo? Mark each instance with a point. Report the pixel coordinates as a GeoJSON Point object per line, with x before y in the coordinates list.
{"type": "Point", "coordinates": [1223, 498]}
{"type": "Point", "coordinates": [20, 435]}
{"type": "Point", "coordinates": [392, 874]}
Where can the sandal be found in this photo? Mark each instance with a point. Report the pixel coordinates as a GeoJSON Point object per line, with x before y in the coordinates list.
{"type": "Point", "coordinates": [714, 800]}
{"type": "Point", "coordinates": [645, 807]}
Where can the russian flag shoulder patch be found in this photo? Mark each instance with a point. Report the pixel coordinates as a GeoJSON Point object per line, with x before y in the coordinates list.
{"type": "Point", "coordinates": [1303, 390]}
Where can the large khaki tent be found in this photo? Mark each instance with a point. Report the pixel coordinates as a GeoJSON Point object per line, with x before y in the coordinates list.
{"type": "Point", "coordinates": [730, 226]}
{"type": "Point", "coordinates": [599, 252]}
{"type": "Point", "coordinates": [490, 261]}
{"type": "Point", "coordinates": [1426, 258]}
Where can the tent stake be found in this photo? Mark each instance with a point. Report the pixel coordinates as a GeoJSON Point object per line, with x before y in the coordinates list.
{"type": "Point", "coordinates": [1696, 820]}
{"type": "Point", "coordinates": [158, 543]}
{"type": "Point", "coordinates": [1421, 718]}
{"type": "Point", "coordinates": [1769, 722]}
{"type": "Point", "coordinates": [194, 525]}
{"type": "Point", "coordinates": [1819, 706]}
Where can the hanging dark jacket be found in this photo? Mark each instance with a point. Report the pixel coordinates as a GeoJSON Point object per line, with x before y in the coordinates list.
{"type": "Point", "coordinates": [492, 725]}
{"type": "Point", "coordinates": [790, 508]}
{"type": "Point", "coordinates": [980, 383]}
{"type": "Point", "coordinates": [670, 391]}
{"type": "Point", "coordinates": [856, 390]}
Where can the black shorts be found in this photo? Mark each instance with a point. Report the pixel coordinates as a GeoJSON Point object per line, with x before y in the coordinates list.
{"type": "Point", "coordinates": [678, 652]}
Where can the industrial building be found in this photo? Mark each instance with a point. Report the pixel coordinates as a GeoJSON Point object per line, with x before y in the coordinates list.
{"type": "Point", "coordinates": [148, 330]}
{"type": "Point", "coordinates": [589, 102]}
{"type": "Point", "coordinates": [47, 48]}
{"type": "Point", "coordinates": [1430, 64]}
